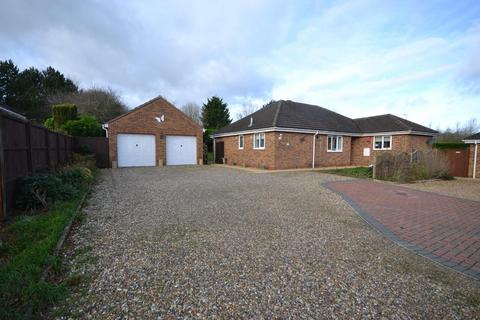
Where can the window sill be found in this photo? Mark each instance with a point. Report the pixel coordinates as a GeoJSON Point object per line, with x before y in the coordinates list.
{"type": "Point", "coordinates": [382, 149]}
{"type": "Point", "coordinates": [337, 151]}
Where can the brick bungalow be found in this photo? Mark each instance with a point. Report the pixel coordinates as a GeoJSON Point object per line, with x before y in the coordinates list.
{"type": "Point", "coordinates": [288, 134]}
{"type": "Point", "coordinates": [473, 161]}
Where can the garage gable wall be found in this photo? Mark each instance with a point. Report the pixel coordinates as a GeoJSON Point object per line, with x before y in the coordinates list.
{"type": "Point", "coordinates": [142, 120]}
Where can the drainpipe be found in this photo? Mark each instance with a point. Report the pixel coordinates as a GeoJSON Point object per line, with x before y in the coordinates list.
{"type": "Point", "coordinates": [313, 153]}
{"type": "Point", "coordinates": [105, 127]}
{"type": "Point", "coordinates": [475, 160]}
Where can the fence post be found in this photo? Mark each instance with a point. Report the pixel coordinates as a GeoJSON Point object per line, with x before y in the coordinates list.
{"type": "Point", "coordinates": [3, 201]}
{"type": "Point", "coordinates": [28, 136]}
{"type": "Point", "coordinates": [374, 169]}
{"type": "Point", "coordinates": [47, 147]}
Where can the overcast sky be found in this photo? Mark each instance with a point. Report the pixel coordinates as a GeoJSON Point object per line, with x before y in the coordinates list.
{"type": "Point", "coordinates": [415, 59]}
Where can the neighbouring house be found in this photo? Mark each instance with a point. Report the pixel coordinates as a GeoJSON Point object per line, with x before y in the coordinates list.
{"type": "Point", "coordinates": [154, 134]}
{"type": "Point", "coordinates": [288, 134]}
{"type": "Point", "coordinates": [473, 161]}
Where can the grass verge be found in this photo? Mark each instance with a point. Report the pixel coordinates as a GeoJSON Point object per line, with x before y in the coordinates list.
{"type": "Point", "coordinates": [25, 251]}
{"type": "Point", "coordinates": [358, 172]}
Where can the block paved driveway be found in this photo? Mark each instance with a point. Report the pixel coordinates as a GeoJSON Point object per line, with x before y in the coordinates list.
{"type": "Point", "coordinates": [442, 228]}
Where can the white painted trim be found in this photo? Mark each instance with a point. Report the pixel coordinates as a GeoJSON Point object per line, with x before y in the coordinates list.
{"type": "Point", "coordinates": [341, 145]}
{"type": "Point", "coordinates": [326, 132]}
{"type": "Point", "coordinates": [264, 141]}
{"type": "Point", "coordinates": [243, 142]}
{"type": "Point", "coordinates": [383, 140]}
{"type": "Point", "coordinates": [471, 141]}
{"type": "Point", "coordinates": [475, 157]}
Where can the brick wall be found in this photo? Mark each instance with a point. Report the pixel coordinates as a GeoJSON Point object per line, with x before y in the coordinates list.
{"type": "Point", "coordinates": [400, 143]}
{"type": "Point", "coordinates": [142, 121]}
{"type": "Point", "coordinates": [471, 158]}
{"type": "Point", "coordinates": [285, 150]}
{"type": "Point", "coordinates": [249, 157]}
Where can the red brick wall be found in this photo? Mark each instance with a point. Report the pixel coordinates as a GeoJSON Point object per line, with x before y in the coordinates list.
{"type": "Point", "coordinates": [142, 121]}
{"type": "Point", "coordinates": [285, 150]}
{"type": "Point", "coordinates": [249, 157]}
{"type": "Point", "coordinates": [471, 158]}
{"type": "Point", "coordinates": [400, 143]}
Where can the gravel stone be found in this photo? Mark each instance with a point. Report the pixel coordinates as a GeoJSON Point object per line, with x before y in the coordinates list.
{"type": "Point", "coordinates": [212, 242]}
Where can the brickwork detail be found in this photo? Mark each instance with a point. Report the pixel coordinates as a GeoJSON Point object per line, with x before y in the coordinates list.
{"type": "Point", "coordinates": [142, 121]}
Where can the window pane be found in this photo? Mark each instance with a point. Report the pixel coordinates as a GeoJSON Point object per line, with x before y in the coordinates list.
{"type": "Point", "coordinates": [386, 142]}
{"type": "Point", "coordinates": [339, 143]}
{"type": "Point", "coordinates": [262, 140]}
{"type": "Point", "coordinates": [378, 142]}
{"type": "Point", "coordinates": [329, 143]}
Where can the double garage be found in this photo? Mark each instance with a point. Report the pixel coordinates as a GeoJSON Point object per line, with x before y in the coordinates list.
{"type": "Point", "coordinates": [154, 134]}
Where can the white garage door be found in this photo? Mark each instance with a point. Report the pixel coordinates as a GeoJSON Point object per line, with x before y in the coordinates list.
{"type": "Point", "coordinates": [181, 150]}
{"type": "Point", "coordinates": [136, 150]}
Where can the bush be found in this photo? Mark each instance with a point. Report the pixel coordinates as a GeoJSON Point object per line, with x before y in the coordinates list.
{"type": "Point", "coordinates": [84, 126]}
{"type": "Point", "coordinates": [406, 167]}
{"type": "Point", "coordinates": [41, 190]}
{"type": "Point", "coordinates": [84, 160]}
{"type": "Point", "coordinates": [62, 113]}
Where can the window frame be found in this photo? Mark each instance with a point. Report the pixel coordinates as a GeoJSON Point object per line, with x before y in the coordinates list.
{"type": "Point", "coordinates": [259, 134]}
{"type": "Point", "coordinates": [241, 138]}
{"type": "Point", "coordinates": [383, 142]}
{"type": "Point", "coordinates": [337, 140]}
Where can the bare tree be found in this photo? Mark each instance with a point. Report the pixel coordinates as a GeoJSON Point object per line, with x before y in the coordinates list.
{"type": "Point", "coordinates": [246, 110]}
{"type": "Point", "coordinates": [101, 103]}
{"type": "Point", "coordinates": [192, 110]}
{"type": "Point", "coordinates": [460, 131]}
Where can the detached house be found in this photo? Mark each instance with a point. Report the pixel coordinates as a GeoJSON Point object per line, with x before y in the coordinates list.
{"type": "Point", "coordinates": [288, 134]}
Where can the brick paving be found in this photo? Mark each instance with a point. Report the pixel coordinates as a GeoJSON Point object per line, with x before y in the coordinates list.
{"type": "Point", "coordinates": [442, 228]}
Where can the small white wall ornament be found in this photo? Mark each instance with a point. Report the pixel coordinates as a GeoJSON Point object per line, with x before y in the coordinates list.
{"type": "Point", "coordinates": [161, 118]}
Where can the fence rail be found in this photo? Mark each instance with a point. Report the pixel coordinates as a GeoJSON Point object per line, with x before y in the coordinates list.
{"type": "Point", "coordinates": [25, 149]}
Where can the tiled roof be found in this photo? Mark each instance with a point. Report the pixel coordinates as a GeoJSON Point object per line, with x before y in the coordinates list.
{"type": "Point", "coordinates": [295, 115]}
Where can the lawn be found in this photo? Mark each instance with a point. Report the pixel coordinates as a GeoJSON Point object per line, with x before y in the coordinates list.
{"type": "Point", "coordinates": [25, 251]}
{"type": "Point", "coordinates": [358, 172]}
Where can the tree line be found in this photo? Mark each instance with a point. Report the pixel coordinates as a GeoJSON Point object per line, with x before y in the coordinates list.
{"type": "Point", "coordinates": [32, 92]}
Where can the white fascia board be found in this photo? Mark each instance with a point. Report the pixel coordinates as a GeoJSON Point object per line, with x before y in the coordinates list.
{"type": "Point", "coordinates": [310, 131]}
{"type": "Point", "coordinates": [471, 141]}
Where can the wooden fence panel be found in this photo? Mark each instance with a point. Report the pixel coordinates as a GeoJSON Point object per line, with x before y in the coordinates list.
{"type": "Point", "coordinates": [26, 149]}
{"type": "Point", "coordinates": [98, 146]}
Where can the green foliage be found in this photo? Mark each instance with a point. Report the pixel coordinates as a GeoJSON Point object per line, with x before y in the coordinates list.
{"type": "Point", "coordinates": [49, 124]}
{"type": "Point", "coordinates": [450, 145]}
{"type": "Point", "coordinates": [62, 113]}
{"type": "Point", "coordinates": [215, 114]}
{"type": "Point", "coordinates": [28, 91]}
{"type": "Point", "coordinates": [84, 126]}
{"type": "Point", "coordinates": [85, 161]}
{"type": "Point", "coordinates": [27, 245]}
{"type": "Point", "coordinates": [8, 72]}
{"type": "Point", "coordinates": [358, 172]}
{"type": "Point", "coordinates": [40, 191]}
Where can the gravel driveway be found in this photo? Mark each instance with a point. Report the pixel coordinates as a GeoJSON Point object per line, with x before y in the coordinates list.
{"type": "Point", "coordinates": [198, 242]}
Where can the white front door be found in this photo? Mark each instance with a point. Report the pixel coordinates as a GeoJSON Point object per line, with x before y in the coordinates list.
{"type": "Point", "coordinates": [181, 150]}
{"type": "Point", "coordinates": [136, 150]}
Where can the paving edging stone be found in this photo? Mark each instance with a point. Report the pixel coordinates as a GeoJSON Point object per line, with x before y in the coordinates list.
{"type": "Point", "coordinates": [403, 243]}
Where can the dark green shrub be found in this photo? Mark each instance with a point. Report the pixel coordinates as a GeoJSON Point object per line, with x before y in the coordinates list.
{"type": "Point", "coordinates": [39, 191]}
{"type": "Point", "coordinates": [83, 149]}
{"type": "Point", "coordinates": [63, 113]}
{"type": "Point", "coordinates": [84, 126]}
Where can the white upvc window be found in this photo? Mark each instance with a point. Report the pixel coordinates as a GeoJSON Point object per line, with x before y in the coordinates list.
{"type": "Point", "coordinates": [382, 143]}
{"type": "Point", "coordinates": [259, 140]}
{"type": "Point", "coordinates": [241, 141]}
{"type": "Point", "coordinates": [335, 144]}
